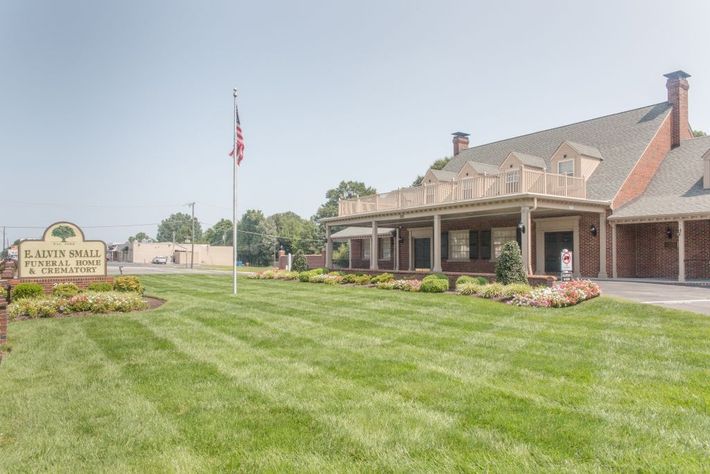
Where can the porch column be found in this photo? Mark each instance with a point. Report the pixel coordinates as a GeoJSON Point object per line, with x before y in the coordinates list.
{"type": "Point", "coordinates": [681, 251]}
{"type": "Point", "coordinates": [350, 254]}
{"type": "Point", "coordinates": [396, 249]}
{"type": "Point", "coordinates": [525, 239]}
{"type": "Point", "coordinates": [613, 251]}
{"type": "Point", "coordinates": [602, 245]}
{"type": "Point", "coordinates": [328, 248]}
{"type": "Point", "coordinates": [373, 247]}
{"type": "Point", "coordinates": [436, 242]}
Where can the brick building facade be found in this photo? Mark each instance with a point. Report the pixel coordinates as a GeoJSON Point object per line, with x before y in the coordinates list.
{"type": "Point", "coordinates": [628, 193]}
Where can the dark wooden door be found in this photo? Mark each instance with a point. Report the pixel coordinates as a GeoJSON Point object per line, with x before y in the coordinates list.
{"type": "Point", "coordinates": [422, 253]}
{"type": "Point", "coordinates": [555, 242]}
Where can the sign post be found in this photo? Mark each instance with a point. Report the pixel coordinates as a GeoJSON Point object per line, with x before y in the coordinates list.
{"type": "Point", "coordinates": [565, 265]}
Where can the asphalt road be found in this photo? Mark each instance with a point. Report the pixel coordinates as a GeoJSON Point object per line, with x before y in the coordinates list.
{"type": "Point", "coordinates": [688, 298]}
{"type": "Point", "coordinates": [115, 268]}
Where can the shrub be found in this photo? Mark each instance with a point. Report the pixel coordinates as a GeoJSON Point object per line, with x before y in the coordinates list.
{"type": "Point", "coordinates": [434, 285]}
{"type": "Point", "coordinates": [128, 283]}
{"type": "Point", "coordinates": [267, 275]}
{"type": "Point", "coordinates": [408, 285]}
{"type": "Point", "coordinates": [96, 302]}
{"type": "Point", "coordinates": [463, 279]}
{"type": "Point", "coordinates": [357, 279]}
{"type": "Point", "coordinates": [306, 276]}
{"type": "Point", "coordinates": [382, 278]}
{"type": "Point", "coordinates": [299, 263]}
{"type": "Point", "coordinates": [470, 288]}
{"type": "Point", "coordinates": [435, 276]}
{"type": "Point", "coordinates": [284, 275]}
{"type": "Point", "coordinates": [493, 290]}
{"type": "Point", "coordinates": [509, 267]}
{"type": "Point", "coordinates": [32, 307]}
{"type": "Point", "coordinates": [65, 289]}
{"type": "Point", "coordinates": [387, 285]}
{"type": "Point", "coordinates": [27, 290]}
{"type": "Point", "coordinates": [331, 279]}
{"type": "Point", "coordinates": [99, 286]}
{"type": "Point", "coordinates": [516, 289]}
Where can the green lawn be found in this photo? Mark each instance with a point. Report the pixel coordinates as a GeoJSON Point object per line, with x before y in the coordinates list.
{"type": "Point", "coordinates": [303, 377]}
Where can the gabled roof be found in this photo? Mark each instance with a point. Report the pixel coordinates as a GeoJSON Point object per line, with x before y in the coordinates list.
{"type": "Point", "coordinates": [585, 149]}
{"type": "Point", "coordinates": [443, 175]}
{"type": "Point", "coordinates": [677, 187]}
{"type": "Point", "coordinates": [482, 168]}
{"type": "Point", "coordinates": [530, 160]}
{"type": "Point", "coordinates": [620, 138]}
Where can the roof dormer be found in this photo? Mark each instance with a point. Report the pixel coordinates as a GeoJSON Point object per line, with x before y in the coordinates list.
{"type": "Point", "coordinates": [471, 169]}
{"type": "Point", "coordinates": [433, 176]}
{"type": "Point", "coordinates": [516, 160]}
{"type": "Point", "coordinates": [575, 159]}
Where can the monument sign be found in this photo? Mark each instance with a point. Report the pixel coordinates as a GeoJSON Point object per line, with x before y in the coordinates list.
{"type": "Point", "coordinates": [62, 252]}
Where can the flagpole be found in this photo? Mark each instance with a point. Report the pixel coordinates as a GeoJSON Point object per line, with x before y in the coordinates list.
{"type": "Point", "coordinates": [234, 200]}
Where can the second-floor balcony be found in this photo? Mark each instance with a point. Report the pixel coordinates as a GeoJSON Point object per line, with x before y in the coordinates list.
{"type": "Point", "coordinates": [507, 183]}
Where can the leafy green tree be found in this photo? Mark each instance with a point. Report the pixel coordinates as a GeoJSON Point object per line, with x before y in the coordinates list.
{"type": "Point", "coordinates": [257, 241]}
{"type": "Point", "coordinates": [699, 133]}
{"type": "Point", "coordinates": [63, 232]}
{"type": "Point", "coordinates": [220, 233]}
{"type": "Point", "coordinates": [140, 237]}
{"type": "Point", "coordinates": [345, 190]}
{"type": "Point", "coordinates": [509, 266]}
{"type": "Point", "coordinates": [296, 233]}
{"type": "Point", "coordinates": [180, 224]}
{"type": "Point", "coordinates": [437, 165]}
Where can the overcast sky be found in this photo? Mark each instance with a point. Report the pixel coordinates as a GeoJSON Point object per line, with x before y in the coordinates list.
{"type": "Point", "coordinates": [119, 113]}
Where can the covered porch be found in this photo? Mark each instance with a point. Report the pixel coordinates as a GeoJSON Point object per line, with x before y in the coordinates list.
{"type": "Point", "coordinates": [467, 238]}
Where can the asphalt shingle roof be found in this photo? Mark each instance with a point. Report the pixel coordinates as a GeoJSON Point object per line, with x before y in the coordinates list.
{"type": "Point", "coordinates": [442, 175]}
{"type": "Point", "coordinates": [677, 186]}
{"type": "Point", "coordinates": [483, 167]}
{"type": "Point", "coordinates": [531, 160]}
{"type": "Point", "coordinates": [620, 138]}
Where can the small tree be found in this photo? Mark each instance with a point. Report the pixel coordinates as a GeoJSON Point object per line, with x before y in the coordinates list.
{"type": "Point", "coordinates": [63, 232]}
{"type": "Point", "coordinates": [509, 267]}
{"type": "Point", "coordinates": [299, 264]}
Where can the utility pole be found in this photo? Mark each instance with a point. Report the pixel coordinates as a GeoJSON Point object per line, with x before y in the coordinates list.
{"type": "Point", "coordinates": [192, 238]}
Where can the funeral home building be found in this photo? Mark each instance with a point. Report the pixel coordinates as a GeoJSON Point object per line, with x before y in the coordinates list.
{"type": "Point", "coordinates": [627, 193]}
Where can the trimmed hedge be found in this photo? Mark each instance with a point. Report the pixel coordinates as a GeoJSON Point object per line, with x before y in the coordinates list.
{"type": "Point", "coordinates": [128, 284]}
{"type": "Point", "coordinates": [27, 290]}
{"type": "Point", "coordinates": [100, 286]}
{"type": "Point", "coordinates": [434, 285]}
{"type": "Point", "coordinates": [382, 278]}
{"type": "Point", "coordinates": [65, 289]}
{"type": "Point", "coordinates": [509, 267]}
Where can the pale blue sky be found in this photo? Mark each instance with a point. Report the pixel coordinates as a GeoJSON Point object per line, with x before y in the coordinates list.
{"type": "Point", "coordinates": [120, 112]}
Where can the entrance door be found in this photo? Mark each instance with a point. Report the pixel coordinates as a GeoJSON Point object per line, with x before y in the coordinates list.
{"type": "Point", "coordinates": [422, 253]}
{"type": "Point", "coordinates": [555, 242]}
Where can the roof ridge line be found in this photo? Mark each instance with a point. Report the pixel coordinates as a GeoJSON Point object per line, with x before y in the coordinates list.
{"type": "Point", "coordinates": [567, 125]}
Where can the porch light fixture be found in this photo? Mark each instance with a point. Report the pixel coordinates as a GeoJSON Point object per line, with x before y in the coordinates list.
{"type": "Point", "coordinates": [593, 230]}
{"type": "Point", "coordinates": [669, 232]}
{"type": "Point", "coordinates": [521, 227]}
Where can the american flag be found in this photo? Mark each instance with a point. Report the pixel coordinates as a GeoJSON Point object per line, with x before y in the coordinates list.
{"type": "Point", "coordinates": [239, 145]}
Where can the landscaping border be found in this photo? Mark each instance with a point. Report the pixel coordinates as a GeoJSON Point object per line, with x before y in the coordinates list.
{"type": "Point", "coordinates": [533, 280]}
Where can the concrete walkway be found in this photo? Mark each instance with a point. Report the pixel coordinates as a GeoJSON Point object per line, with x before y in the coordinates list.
{"type": "Point", "coordinates": [688, 298]}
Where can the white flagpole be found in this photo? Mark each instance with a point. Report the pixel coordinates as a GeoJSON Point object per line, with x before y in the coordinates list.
{"type": "Point", "coordinates": [234, 200]}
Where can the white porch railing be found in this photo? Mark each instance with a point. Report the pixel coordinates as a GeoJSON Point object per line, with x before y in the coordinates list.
{"type": "Point", "coordinates": [507, 183]}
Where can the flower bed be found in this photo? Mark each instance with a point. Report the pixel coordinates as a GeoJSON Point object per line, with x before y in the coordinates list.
{"type": "Point", "coordinates": [520, 294]}
{"type": "Point", "coordinates": [563, 294]}
{"type": "Point", "coordinates": [93, 302]}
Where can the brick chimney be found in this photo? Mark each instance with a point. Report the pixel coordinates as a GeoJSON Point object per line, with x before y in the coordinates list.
{"type": "Point", "coordinates": [460, 142]}
{"type": "Point", "coordinates": [677, 85]}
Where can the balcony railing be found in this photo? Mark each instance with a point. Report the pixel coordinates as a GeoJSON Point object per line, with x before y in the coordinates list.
{"type": "Point", "coordinates": [517, 181]}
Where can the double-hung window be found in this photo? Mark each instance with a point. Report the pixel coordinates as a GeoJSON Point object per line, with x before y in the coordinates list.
{"type": "Point", "coordinates": [458, 245]}
{"type": "Point", "coordinates": [366, 249]}
{"type": "Point", "coordinates": [385, 248]}
{"type": "Point", "coordinates": [565, 167]}
{"type": "Point", "coordinates": [501, 235]}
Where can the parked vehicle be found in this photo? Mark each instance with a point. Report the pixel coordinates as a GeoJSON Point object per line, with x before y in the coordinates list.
{"type": "Point", "coordinates": [160, 260]}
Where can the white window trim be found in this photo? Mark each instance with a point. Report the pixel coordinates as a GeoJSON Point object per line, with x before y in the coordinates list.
{"type": "Point", "coordinates": [569, 160]}
{"type": "Point", "coordinates": [512, 176]}
{"type": "Point", "coordinates": [366, 249]}
{"type": "Point", "coordinates": [493, 239]}
{"type": "Point", "coordinates": [381, 246]}
{"type": "Point", "coordinates": [450, 246]}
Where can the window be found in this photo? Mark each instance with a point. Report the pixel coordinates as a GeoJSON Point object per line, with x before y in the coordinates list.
{"type": "Point", "coordinates": [385, 249]}
{"type": "Point", "coordinates": [565, 167]}
{"type": "Point", "coordinates": [512, 178]}
{"type": "Point", "coordinates": [485, 244]}
{"type": "Point", "coordinates": [500, 236]}
{"type": "Point", "coordinates": [366, 249]}
{"type": "Point", "coordinates": [458, 245]}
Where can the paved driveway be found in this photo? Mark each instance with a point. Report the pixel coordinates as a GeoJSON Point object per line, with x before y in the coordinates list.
{"type": "Point", "coordinates": [689, 298]}
{"type": "Point", "coordinates": [150, 269]}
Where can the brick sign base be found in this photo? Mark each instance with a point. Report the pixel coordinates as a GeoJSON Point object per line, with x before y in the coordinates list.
{"type": "Point", "coordinates": [48, 283]}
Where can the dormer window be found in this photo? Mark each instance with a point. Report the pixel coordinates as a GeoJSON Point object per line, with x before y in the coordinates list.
{"type": "Point", "coordinates": [565, 167]}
